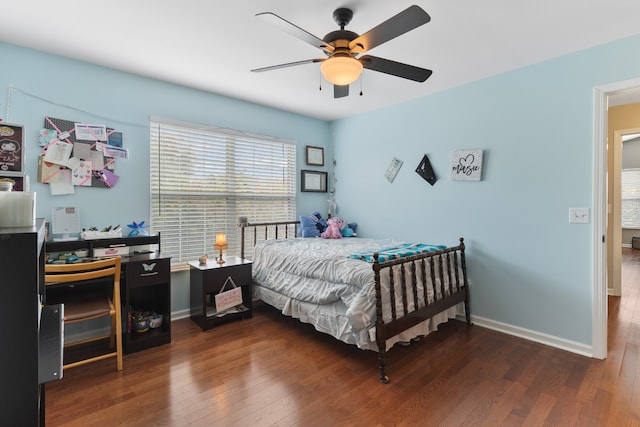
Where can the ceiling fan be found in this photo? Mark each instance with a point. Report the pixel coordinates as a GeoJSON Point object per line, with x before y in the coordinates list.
{"type": "Point", "coordinates": [343, 64]}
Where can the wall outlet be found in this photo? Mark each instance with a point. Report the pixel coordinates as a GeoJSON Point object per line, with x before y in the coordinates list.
{"type": "Point", "coordinates": [579, 216]}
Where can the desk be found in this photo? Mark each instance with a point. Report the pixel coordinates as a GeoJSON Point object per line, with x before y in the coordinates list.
{"type": "Point", "coordinates": [145, 283]}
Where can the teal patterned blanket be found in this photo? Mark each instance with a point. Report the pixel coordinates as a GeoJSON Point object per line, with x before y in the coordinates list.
{"type": "Point", "coordinates": [398, 251]}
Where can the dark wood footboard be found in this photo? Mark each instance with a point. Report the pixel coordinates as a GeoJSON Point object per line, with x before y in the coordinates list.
{"type": "Point", "coordinates": [422, 285]}
{"type": "Point", "coordinates": [442, 274]}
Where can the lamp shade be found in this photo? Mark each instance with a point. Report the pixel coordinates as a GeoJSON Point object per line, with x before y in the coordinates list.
{"type": "Point", "coordinates": [221, 241]}
{"type": "Point", "coordinates": [341, 70]}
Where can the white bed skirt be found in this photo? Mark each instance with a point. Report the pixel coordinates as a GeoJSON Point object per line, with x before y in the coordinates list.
{"type": "Point", "coordinates": [332, 319]}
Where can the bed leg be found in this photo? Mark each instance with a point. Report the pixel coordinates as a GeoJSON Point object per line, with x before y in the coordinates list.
{"type": "Point", "coordinates": [467, 308]}
{"type": "Point", "coordinates": [463, 264]}
{"type": "Point", "coordinates": [467, 313]}
{"type": "Point", "coordinates": [384, 379]}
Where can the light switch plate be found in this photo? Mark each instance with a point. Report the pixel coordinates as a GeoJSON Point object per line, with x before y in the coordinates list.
{"type": "Point", "coordinates": [578, 215]}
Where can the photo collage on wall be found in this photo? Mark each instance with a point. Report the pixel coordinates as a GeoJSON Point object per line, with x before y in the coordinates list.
{"type": "Point", "coordinates": [78, 155]}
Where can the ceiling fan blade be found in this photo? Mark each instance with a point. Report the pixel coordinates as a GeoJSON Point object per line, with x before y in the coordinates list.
{"type": "Point", "coordinates": [405, 21]}
{"type": "Point", "coordinates": [294, 30]}
{"type": "Point", "coordinates": [394, 68]}
{"type": "Point", "coordinates": [340, 91]}
{"type": "Point", "coordinates": [288, 64]}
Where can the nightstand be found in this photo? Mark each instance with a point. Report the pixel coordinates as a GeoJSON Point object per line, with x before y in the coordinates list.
{"type": "Point", "coordinates": [208, 280]}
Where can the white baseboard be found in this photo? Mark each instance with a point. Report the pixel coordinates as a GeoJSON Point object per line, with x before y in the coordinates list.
{"type": "Point", "coordinates": [550, 340]}
{"type": "Point", "coordinates": [180, 314]}
{"type": "Point", "coordinates": [527, 334]}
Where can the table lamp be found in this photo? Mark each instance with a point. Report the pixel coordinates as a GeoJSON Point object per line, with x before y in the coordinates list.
{"type": "Point", "coordinates": [221, 243]}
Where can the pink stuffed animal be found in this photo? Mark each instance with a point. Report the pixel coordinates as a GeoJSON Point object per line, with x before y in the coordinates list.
{"type": "Point", "coordinates": [334, 225]}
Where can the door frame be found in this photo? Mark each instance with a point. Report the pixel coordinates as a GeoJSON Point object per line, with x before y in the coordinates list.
{"type": "Point", "coordinates": [600, 211]}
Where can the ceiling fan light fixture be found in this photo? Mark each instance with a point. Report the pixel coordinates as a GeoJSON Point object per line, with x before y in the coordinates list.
{"type": "Point", "coordinates": [341, 70]}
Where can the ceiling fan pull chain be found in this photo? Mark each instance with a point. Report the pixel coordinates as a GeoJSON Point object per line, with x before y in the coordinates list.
{"type": "Point", "coordinates": [361, 78]}
{"type": "Point", "coordinates": [319, 80]}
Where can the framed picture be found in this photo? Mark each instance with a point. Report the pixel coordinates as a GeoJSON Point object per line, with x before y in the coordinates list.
{"type": "Point", "coordinates": [315, 156]}
{"type": "Point", "coordinates": [313, 181]}
{"type": "Point", "coordinates": [11, 149]}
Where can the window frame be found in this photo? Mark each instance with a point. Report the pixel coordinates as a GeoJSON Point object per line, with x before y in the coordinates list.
{"type": "Point", "coordinates": [630, 177]}
{"type": "Point", "coordinates": [237, 174]}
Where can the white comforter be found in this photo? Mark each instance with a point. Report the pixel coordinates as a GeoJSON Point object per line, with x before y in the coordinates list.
{"type": "Point", "coordinates": [303, 275]}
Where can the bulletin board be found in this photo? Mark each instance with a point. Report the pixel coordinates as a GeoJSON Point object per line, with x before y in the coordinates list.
{"type": "Point", "coordinates": [76, 154]}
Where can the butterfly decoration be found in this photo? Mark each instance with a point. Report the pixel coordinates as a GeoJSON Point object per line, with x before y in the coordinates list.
{"type": "Point", "coordinates": [138, 229]}
{"type": "Point", "coordinates": [148, 267]}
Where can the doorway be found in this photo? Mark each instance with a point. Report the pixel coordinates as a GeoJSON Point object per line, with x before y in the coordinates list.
{"type": "Point", "coordinates": [623, 115]}
{"type": "Point", "coordinates": [627, 91]}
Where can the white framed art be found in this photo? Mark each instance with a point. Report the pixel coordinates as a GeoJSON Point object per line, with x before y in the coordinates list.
{"type": "Point", "coordinates": [466, 165]}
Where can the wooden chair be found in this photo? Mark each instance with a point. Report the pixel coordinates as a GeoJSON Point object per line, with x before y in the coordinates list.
{"type": "Point", "coordinates": [92, 302]}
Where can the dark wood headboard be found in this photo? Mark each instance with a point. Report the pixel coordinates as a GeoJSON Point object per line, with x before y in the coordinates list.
{"type": "Point", "coordinates": [253, 232]}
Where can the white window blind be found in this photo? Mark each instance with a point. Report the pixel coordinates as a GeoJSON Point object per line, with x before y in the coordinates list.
{"type": "Point", "coordinates": [203, 179]}
{"type": "Point", "coordinates": [631, 198]}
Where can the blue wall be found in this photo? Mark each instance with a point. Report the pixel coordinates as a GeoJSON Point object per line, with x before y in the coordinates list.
{"type": "Point", "coordinates": [528, 266]}
{"type": "Point", "coordinates": [36, 85]}
{"type": "Point", "coordinates": [39, 85]}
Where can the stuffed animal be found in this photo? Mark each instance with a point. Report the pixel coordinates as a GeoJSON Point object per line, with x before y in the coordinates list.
{"type": "Point", "coordinates": [349, 230]}
{"type": "Point", "coordinates": [312, 225]}
{"type": "Point", "coordinates": [334, 225]}
{"type": "Point", "coordinates": [321, 223]}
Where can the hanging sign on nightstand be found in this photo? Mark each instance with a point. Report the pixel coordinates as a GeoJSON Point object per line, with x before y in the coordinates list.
{"type": "Point", "coordinates": [228, 299]}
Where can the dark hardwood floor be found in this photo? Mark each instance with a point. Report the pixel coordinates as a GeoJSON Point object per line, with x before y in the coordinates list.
{"type": "Point", "coordinates": [275, 371]}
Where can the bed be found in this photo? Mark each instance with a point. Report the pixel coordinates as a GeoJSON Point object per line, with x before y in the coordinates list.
{"type": "Point", "coordinates": [344, 287]}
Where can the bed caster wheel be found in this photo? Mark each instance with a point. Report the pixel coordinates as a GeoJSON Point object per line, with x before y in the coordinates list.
{"type": "Point", "coordinates": [384, 379]}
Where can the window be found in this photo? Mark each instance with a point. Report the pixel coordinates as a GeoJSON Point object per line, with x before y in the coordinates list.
{"type": "Point", "coordinates": [204, 178]}
{"type": "Point", "coordinates": [631, 198]}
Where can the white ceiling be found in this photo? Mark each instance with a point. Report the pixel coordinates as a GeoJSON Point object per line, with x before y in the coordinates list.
{"type": "Point", "coordinates": [212, 45]}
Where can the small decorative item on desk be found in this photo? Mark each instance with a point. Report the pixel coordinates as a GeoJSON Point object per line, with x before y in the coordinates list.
{"type": "Point", "coordinates": [221, 243]}
{"type": "Point", "coordinates": [138, 229]}
{"type": "Point", "coordinates": [203, 259]}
